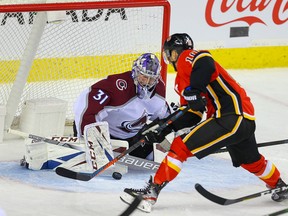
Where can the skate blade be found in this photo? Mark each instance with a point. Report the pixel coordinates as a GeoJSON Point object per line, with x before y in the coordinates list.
{"type": "Point", "coordinates": [144, 205]}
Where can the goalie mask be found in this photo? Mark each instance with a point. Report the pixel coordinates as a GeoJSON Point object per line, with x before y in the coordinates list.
{"type": "Point", "coordinates": [146, 74]}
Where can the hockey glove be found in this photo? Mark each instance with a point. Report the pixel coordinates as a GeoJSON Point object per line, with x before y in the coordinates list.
{"type": "Point", "coordinates": [174, 106]}
{"type": "Point", "coordinates": [154, 137]}
{"type": "Point", "coordinates": [149, 128]}
{"type": "Point", "coordinates": [150, 133]}
{"type": "Point", "coordinates": [195, 101]}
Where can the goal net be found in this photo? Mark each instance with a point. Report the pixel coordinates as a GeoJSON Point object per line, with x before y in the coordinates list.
{"type": "Point", "coordinates": [58, 49]}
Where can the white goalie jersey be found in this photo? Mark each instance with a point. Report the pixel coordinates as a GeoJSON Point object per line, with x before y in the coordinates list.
{"type": "Point", "coordinates": [114, 100]}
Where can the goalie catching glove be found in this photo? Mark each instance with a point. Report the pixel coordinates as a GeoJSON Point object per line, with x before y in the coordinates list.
{"type": "Point", "coordinates": [194, 99]}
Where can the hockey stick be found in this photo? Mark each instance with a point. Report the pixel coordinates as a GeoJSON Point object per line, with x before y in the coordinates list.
{"type": "Point", "coordinates": [223, 201]}
{"type": "Point", "coordinates": [44, 139]}
{"type": "Point", "coordinates": [87, 176]}
{"type": "Point", "coordinates": [278, 212]}
{"type": "Point", "coordinates": [264, 144]}
{"type": "Point", "coordinates": [128, 160]}
{"type": "Point", "coordinates": [271, 143]}
{"type": "Point", "coordinates": [132, 206]}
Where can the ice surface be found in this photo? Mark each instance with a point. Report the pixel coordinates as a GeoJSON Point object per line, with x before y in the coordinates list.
{"type": "Point", "coordinates": [43, 193]}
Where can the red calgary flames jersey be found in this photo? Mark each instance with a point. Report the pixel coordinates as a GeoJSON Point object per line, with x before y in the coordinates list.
{"type": "Point", "coordinates": [224, 95]}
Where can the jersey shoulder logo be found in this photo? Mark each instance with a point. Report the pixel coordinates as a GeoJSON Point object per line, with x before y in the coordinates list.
{"type": "Point", "coordinates": [121, 84]}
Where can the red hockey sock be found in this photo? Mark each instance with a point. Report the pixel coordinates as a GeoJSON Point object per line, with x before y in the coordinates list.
{"type": "Point", "coordinates": [264, 170]}
{"type": "Point", "coordinates": [172, 163]}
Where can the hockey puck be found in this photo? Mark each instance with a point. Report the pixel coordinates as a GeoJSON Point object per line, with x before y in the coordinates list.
{"type": "Point", "coordinates": [117, 175]}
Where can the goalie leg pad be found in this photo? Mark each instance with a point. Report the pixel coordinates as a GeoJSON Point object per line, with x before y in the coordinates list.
{"type": "Point", "coordinates": [41, 155]}
{"type": "Point", "coordinates": [98, 147]}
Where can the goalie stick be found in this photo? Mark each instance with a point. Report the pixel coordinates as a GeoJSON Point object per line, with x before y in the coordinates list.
{"type": "Point", "coordinates": [283, 211]}
{"type": "Point", "coordinates": [84, 176]}
{"type": "Point", "coordinates": [88, 176]}
{"type": "Point", "coordinates": [44, 139]}
{"type": "Point", "coordinates": [127, 160]}
{"type": "Point", "coordinates": [71, 145]}
{"type": "Point", "coordinates": [223, 201]}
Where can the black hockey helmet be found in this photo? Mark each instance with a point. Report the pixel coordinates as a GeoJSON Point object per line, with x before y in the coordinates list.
{"type": "Point", "coordinates": [177, 42]}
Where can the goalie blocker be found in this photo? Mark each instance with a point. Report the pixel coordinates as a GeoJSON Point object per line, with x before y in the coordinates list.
{"type": "Point", "coordinates": [86, 155]}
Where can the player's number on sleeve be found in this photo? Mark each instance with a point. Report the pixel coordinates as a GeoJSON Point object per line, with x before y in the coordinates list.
{"type": "Point", "coordinates": [101, 97]}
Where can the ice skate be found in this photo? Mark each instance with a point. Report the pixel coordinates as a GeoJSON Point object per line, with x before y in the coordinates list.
{"type": "Point", "coordinates": [281, 195]}
{"type": "Point", "coordinates": [149, 195]}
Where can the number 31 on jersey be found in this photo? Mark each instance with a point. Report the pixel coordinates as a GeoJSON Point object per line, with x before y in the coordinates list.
{"type": "Point", "coordinates": [101, 97]}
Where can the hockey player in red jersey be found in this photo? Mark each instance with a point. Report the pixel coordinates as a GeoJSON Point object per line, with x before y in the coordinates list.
{"type": "Point", "coordinates": [204, 85]}
{"type": "Point", "coordinates": [127, 101]}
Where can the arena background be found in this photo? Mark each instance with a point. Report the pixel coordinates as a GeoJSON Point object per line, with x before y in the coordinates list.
{"type": "Point", "coordinates": [240, 34]}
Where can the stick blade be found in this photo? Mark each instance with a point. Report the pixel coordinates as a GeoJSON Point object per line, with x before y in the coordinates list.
{"type": "Point", "coordinates": [212, 197]}
{"type": "Point", "coordinates": [73, 175]}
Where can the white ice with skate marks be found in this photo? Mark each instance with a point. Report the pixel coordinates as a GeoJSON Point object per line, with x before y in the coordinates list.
{"type": "Point", "coordinates": [206, 170]}
{"type": "Point", "coordinates": [26, 192]}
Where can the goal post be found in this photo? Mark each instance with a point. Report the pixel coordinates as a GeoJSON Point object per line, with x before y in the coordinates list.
{"type": "Point", "coordinates": [41, 57]}
{"type": "Point", "coordinates": [24, 68]}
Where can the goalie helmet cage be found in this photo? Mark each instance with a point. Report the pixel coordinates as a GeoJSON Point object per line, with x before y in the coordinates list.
{"type": "Point", "coordinates": [59, 49]}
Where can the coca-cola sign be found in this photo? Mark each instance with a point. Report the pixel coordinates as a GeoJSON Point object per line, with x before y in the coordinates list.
{"type": "Point", "coordinates": [278, 10]}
